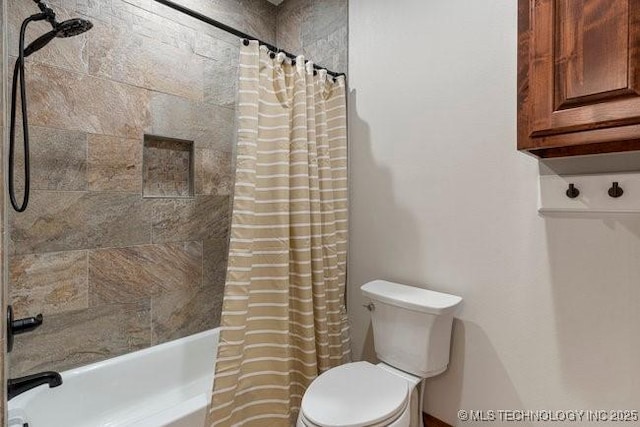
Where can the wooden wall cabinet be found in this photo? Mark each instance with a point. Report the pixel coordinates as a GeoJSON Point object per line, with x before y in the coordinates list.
{"type": "Point", "coordinates": [578, 76]}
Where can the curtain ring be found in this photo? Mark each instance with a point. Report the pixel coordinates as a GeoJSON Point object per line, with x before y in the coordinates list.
{"type": "Point", "coordinates": [310, 68]}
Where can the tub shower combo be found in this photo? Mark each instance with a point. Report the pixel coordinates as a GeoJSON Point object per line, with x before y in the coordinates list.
{"type": "Point", "coordinates": [127, 390]}
{"type": "Point", "coordinates": [68, 28]}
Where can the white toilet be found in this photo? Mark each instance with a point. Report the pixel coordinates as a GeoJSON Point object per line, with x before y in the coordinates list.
{"type": "Point", "coordinates": [411, 334]}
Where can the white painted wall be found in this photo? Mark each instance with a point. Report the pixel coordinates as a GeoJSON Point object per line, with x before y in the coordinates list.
{"type": "Point", "coordinates": [442, 199]}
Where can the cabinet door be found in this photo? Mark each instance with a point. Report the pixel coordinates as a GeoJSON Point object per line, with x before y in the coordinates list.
{"type": "Point", "coordinates": [583, 70]}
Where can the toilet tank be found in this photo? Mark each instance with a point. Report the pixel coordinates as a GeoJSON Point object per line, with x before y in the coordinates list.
{"type": "Point", "coordinates": [411, 326]}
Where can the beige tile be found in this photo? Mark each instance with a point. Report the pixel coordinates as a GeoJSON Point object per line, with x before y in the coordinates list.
{"type": "Point", "coordinates": [150, 19]}
{"type": "Point", "coordinates": [186, 312]}
{"type": "Point", "coordinates": [256, 17]}
{"type": "Point", "coordinates": [213, 172]}
{"type": "Point", "coordinates": [114, 164]}
{"type": "Point", "coordinates": [324, 18]}
{"type": "Point", "coordinates": [214, 256]}
{"type": "Point", "coordinates": [54, 221]}
{"type": "Point", "coordinates": [3, 381]}
{"type": "Point", "coordinates": [58, 159]}
{"type": "Point", "coordinates": [62, 221]}
{"type": "Point", "coordinates": [201, 218]}
{"type": "Point", "coordinates": [291, 16]}
{"type": "Point", "coordinates": [221, 83]}
{"type": "Point", "coordinates": [316, 29]}
{"type": "Point", "coordinates": [122, 275]}
{"type": "Point", "coordinates": [48, 283]}
{"type": "Point", "coordinates": [116, 219]}
{"type": "Point", "coordinates": [209, 126]}
{"type": "Point", "coordinates": [167, 167]}
{"type": "Point", "coordinates": [122, 55]}
{"type": "Point", "coordinates": [66, 100]}
{"type": "Point", "coordinates": [221, 51]}
{"type": "Point", "coordinates": [69, 53]}
{"type": "Point", "coordinates": [81, 337]}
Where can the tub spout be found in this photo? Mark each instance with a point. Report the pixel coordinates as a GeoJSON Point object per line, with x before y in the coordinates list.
{"type": "Point", "coordinates": [18, 386]}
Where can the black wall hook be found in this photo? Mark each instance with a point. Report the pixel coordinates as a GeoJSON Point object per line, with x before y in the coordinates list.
{"type": "Point", "coordinates": [572, 191]}
{"type": "Point", "coordinates": [615, 191]}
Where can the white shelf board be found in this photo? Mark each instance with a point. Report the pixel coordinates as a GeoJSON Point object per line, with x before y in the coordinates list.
{"type": "Point", "coordinates": [593, 198]}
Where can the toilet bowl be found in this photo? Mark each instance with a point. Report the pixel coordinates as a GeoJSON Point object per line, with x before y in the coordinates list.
{"type": "Point", "coordinates": [360, 394]}
{"type": "Point", "coordinates": [412, 333]}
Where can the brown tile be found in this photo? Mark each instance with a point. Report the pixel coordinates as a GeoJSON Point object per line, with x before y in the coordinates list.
{"type": "Point", "coordinates": [58, 159]}
{"type": "Point", "coordinates": [150, 19]}
{"type": "Point", "coordinates": [209, 126]}
{"type": "Point", "coordinates": [48, 283]}
{"type": "Point", "coordinates": [316, 29]}
{"type": "Point", "coordinates": [120, 54]}
{"type": "Point", "coordinates": [122, 275]}
{"type": "Point", "coordinates": [213, 172]}
{"type": "Point", "coordinates": [200, 218]}
{"type": "Point", "coordinates": [62, 221]}
{"type": "Point", "coordinates": [291, 16]}
{"type": "Point", "coordinates": [324, 18]}
{"type": "Point", "coordinates": [221, 51]}
{"type": "Point", "coordinates": [114, 164]}
{"type": "Point", "coordinates": [167, 167]}
{"type": "Point", "coordinates": [330, 51]}
{"type": "Point", "coordinates": [182, 313]}
{"type": "Point", "coordinates": [220, 83]}
{"type": "Point", "coordinates": [69, 53]}
{"type": "Point", "coordinates": [55, 221]}
{"type": "Point", "coordinates": [3, 379]}
{"type": "Point", "coordinates": [214, 256]}
{"type": "Point", "coordinates": [116, 219]}
{"type": "Point", "coordinates": [67, 100]}
{"type": "Point", "coordinates": [256, 17]}
{"type": "Point", "coordinates": [82, 337]}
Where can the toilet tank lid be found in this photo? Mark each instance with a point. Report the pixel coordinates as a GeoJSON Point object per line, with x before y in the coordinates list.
{"type": "Point", "coordinates": [410, 297]}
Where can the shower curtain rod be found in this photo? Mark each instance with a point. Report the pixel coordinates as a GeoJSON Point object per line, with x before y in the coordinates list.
{"type": "Point", "coordinates": [235, 32]}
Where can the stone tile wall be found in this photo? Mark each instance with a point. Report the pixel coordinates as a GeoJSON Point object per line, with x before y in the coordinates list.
{"type": "Point", "coordinates": [111, 270]}
{"type": "Point", "coordinates": [316, 29]}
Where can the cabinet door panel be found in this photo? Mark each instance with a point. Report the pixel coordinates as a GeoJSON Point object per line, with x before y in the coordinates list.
{"type": "Point", "coordinates": [584, 65]}
{"type": "Point", "coordinates": [591, 51]}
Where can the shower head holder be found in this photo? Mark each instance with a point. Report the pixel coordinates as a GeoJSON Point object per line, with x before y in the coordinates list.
{"type": "Point", "coordinates": [46, 13]}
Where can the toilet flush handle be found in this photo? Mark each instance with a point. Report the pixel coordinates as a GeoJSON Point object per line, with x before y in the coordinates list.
{"type": "Point", "coordinates": [369, 306]}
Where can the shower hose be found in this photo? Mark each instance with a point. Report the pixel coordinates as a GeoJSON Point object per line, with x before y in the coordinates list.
{"type": "Point", "coordinates": [18, 80]}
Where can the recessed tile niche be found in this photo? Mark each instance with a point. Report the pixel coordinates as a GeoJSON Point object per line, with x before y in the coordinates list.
{"type": "Point", "coordinates": [167, 167]}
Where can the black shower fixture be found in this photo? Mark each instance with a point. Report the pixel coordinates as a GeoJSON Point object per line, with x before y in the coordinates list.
{"type": "Point", "coordinates": [69, 28]}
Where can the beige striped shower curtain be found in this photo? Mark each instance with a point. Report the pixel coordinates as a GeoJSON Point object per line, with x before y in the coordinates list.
{"type": "Point", "coordinates": [284, 319]}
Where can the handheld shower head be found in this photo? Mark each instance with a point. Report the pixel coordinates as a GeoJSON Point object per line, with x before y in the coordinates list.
{"type": "Point", "coordinates": [72, 27]}
{"type": "Point", "coordinates": [68, 28]}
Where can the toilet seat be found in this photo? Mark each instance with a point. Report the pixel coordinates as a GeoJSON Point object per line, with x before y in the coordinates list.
{"type": "Point", "coordinates": [355, 395]}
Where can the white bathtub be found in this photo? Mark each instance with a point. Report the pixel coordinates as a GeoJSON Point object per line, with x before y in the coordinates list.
{"type": "Point", "coordinates": [167, 385]}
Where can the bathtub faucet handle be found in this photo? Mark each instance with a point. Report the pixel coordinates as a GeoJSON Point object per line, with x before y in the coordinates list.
{"type": "Point", "coordinates": [20, 326]}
